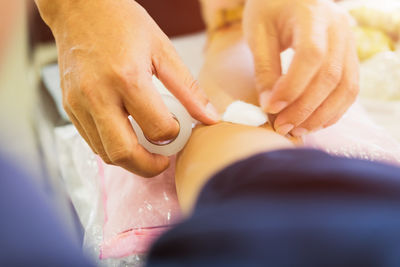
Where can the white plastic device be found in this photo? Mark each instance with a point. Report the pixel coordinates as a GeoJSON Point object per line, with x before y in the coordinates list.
{"type": "Point", "coordinates": [170, 147]}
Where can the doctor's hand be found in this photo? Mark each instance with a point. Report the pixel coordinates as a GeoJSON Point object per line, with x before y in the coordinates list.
{"type": "Point", "coordinates": [108, 52]}
{"type": "Point", "coordinates": [322, 81]}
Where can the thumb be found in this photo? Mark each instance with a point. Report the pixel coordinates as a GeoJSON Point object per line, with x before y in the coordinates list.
{"type": "Point", "coordinates": [264, 43]}
{"type": "Point", "coordinates": [144, 103]}
{"type": "Point", "coordinates": [172, 72]}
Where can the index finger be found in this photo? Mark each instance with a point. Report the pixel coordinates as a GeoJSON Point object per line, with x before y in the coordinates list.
{"type": "Point", "coordinates": [310, 50]}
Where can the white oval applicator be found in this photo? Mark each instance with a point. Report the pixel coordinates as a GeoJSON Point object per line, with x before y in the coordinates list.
{"type": "Point", "coordinates": [185, 129]}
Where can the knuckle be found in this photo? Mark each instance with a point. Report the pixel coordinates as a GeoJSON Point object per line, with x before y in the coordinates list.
{"type": "Point", "coordinates": [332, 76]}
{"type": "Point", "coordinates": [302, 113]}
{"type": "Point", "coordinates": [124, 77]}
{"type": "Point", "coordinates": [166, 54]}
{"type": "Point", "coordinates": [87, 91]}
{"type": "Point", "coordinates": [164, 131]}
{"type": "Point", "coordinates": [353, 90]}
{"type": "Point", "coordinates": [314, 52]}
{"type": "Point", "coordinates": [70, 101]}
{"type": "Point", "coordinates": [191, 83]}
{"type": "Point", "coordinates": [265, 76]}
{"type": "Point", "coordinates": [120, 157]}
{"type": "Point", "coordinates": [106, 159]}
{"type": "Point", "coordinates": [263, 68]}
{"type": "Point", "coordinates": [194, 88]}
{"type": "Point", "coordinates": [84, 87]}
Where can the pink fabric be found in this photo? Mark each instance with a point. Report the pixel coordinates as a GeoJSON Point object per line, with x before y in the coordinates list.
{"type": "Point", "coordinates": [132, 242]}
{"type": "Point", "coordinates": [356, 136]}
{"type": "Point", "coordinates": [136, 210]}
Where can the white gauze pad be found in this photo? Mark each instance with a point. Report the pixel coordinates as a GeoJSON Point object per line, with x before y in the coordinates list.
{"type": "Point", "coordinates": [185, 129]}
{"type": "Point", "coordinates": [240, 112]}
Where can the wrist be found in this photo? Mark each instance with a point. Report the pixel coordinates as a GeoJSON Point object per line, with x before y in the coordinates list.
{"type": "Point", "coordinates": [51, 11]}
{"type": "Point", "coordinates": [73, 19]}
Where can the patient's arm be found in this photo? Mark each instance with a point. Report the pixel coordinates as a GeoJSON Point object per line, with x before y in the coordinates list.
{"type": "Point", "coordinates": [228, 73]}
{"type": "Point", "coordinates": [211, 148]}
{"type": "Point", "coordinates": [227, 76]}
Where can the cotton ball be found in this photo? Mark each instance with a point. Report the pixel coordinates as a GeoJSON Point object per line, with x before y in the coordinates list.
{"type": "Point", "coordinates": [240, 112]}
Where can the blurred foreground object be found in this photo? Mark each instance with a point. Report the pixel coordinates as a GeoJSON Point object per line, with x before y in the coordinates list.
{"type": "Point", "coordinates": [377, 25]}
{"type": "Point", "coordinates": [377, 28]}
{"type": "Point", "coordinates": [380, 77]}
{"type": "Point", "coordinates": [381, 15]}
{"type": "Point", "coordinates": [371, 41]}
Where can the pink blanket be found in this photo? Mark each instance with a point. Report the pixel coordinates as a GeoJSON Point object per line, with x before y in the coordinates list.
{"type": "Point", "coordinates": [138, 210]}
{"type": "Point", "coordinates": [356, 136]}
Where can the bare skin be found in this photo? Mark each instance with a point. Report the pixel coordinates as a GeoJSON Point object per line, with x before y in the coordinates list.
{"type": "Point", "coordinates": [108, 52]}
{"type": "Point", "coordinates": [322, 81]}
{"type": "Point", "coordinates": [227, 76]}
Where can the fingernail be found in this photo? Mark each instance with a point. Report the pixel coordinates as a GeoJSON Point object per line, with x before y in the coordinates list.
{"type": "Point", "coordinates": [299, 132]}
{"type": "Point", "coordinates": [276, 107]}
{"type": "Point", "coordinates": [284, 129]}
{"type": "Point", "coordinates": [212, 112]}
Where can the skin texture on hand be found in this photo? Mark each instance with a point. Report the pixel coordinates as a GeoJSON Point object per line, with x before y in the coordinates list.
{"type": "Point", "coordinates": [108, 52]}
{"type": "Point", "coordinates": [322, 81]}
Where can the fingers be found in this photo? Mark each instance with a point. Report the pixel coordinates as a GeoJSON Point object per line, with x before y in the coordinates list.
{"type": "Point", "coordinates": [263, 41]}
{"type": "Point", "coordinates": [145, 104]}
{"type": "Point", "coordinates": [177, 78]}
{"type": "Point", "coordinates": [264, 44]}
{"type": "Point", "coordinates": [88, 130]}
{"type": "Point", "coordinates": [310, 44]}
{"type": "Point", "coordinates": [105, 126]}
{"type": "Point", "coordinates": [338, 102]}
{"type": "Point", "coordinates": [121, 144]}
{"type": "Point", "coordinates": [318, 90]}
{"type": "Point", "coordinates": [80, 129]}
